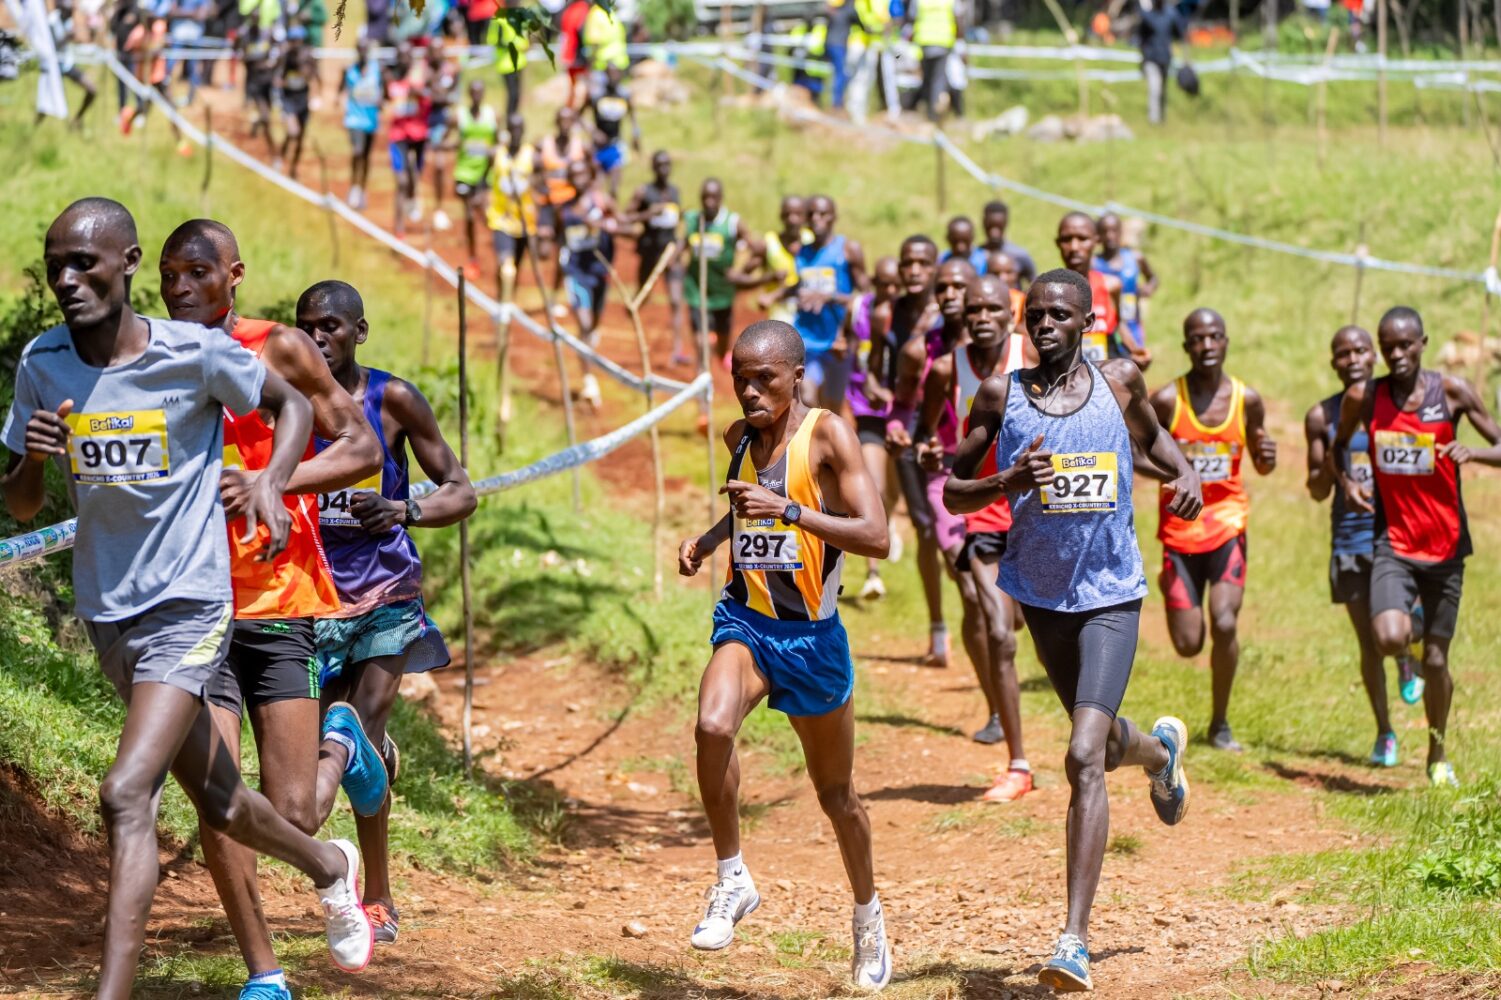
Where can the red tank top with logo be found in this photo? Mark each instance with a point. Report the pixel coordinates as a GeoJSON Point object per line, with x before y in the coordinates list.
{"type": "Point", "coordinates": [997, 516]}
{"type": "Point", "coordinates": [297, 583]}
{"type": "Point", "coordinates": [1420, 513]}
{"type": "Point", "coordinates": [1097, 338]}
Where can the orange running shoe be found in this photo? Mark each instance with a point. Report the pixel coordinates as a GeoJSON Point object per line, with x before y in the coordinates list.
{"type": "Point", "coordinates": [1009, 787]}
{"type": "Point", "coordinates": [384, 922]}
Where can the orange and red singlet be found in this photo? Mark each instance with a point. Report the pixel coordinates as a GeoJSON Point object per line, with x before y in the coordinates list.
{"type": "Point", "coordinates": [297, 583]}
{"type": "Point", "coordinates": [1215, 453]}
{"type": "Point", "coordinates": [1097, 338]}
{"type": "Point", "coordinates": [1420, 513]}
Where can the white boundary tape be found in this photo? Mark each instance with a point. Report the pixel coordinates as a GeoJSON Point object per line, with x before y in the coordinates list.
{"type": "Point", "coordinates": [1213, 232]}
{"type": "Point", "coordinates": [43, 542]}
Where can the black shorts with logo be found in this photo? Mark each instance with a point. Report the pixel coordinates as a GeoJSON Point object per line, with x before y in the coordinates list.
{"type": "Point", "coordinates": [270, 660]}
{"type": "Point", "coordinates": [1396, 584]}
{"type": "Point", "coordinates": [986, 545]}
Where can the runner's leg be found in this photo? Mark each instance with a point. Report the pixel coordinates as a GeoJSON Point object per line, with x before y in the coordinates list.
{"type": "Point", "coordinates": [1438, 695]}
{"type": "Point", "coordinates": [1372, 665]}
{"type": "Point", "coordinates": [731, 687]}
{"type": "Point", "coordinates": [829, 751]}
{"type": "Point", "coordinates": [373, 694]}
{"type": "Point", "coordinates": [999, 611]}
{"type": "Point", "coordinates": [972, 629]}
{"type": "Point", "coordinates": [1224, 652]}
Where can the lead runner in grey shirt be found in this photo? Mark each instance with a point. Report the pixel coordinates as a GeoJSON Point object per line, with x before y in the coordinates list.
{"type": "Point", "coordinates": [132, 411]}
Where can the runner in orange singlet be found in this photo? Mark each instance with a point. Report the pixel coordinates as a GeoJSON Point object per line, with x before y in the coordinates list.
{"type": "Point", "coordinates": [1216, 419]}
{"type": "Point", "coordinates": [1422, 534]}
{"type": "Point", "coordinates": [272, 652]}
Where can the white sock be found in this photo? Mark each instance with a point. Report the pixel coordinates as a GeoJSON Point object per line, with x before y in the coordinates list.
{"type": "Point", "coordinates": [730, 867]}
{"type": "Point", "coordinates": [865, 912]}
{"type": "Point", "coordinates": [938, 635]}
{"type": "Point", "coordinates": [275, 977]}
{"type": "Point", "coordinates": [1020, 764]}
{"type": "Point", "coordinates": [334, 736]}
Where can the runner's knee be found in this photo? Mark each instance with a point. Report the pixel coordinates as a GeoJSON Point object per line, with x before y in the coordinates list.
{"type": "Point", "coordinates": [1222, 625]}
{"type": "Point", "coordinates": [1085, 760]}
{"type": "Point", "coordinates": [715, 728]}
{"type": "Point", "coordinates": [839, 801]}
{"type": "Point", "coordinates": [124, 800]}
{"type": "Point", "coordinates": [1392, 633]}
{"type": "Point", "coordinates": [223, 809]}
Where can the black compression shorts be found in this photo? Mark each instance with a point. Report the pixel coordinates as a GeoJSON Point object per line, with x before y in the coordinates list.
{"type": "Point", "coordinates": [988, 546]}
{"type": "Point", "coordinates": [1088, 654]}
{"type": "Point", "coordinates": [270, 659]}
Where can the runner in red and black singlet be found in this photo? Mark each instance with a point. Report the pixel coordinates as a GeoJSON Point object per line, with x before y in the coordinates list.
{"type": "Point", "coordinates": [1422, 538]}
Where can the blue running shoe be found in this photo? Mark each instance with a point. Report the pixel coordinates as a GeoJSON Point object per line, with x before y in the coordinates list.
{"type": "Point", "coordinates": [1068, 970]}
{"type": "Point", "coordinates": [265, 991]}
{"type": "Point", "coordinates": [1410, 678]}
{"type": "Point", "coordinates": [1170, 785]}
{"type": "Point", "coordinates": [364, 780]}
{"type": "Point", "coordinates": [1384, 753]}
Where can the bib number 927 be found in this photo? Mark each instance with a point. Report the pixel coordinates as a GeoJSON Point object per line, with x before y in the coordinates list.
{"type": "Point", "coordinates": [1083, 483]}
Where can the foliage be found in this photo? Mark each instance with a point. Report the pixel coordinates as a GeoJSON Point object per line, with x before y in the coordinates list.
{"type": "Point", "coordinates": [668, 19]}
{"type": "Point", "coordinates": [1467, 862]}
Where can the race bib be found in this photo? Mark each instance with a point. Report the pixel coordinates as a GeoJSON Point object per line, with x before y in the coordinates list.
{"type": "Point", "coordinates": [511, 187]}
{"type": "Point", "coordinates": [611, 109]}
{"type": "Point", "coordinates": [406, 109]}
{"type": "Point", "coordinates": [578, 237]}
{"type": "Point", "coordinates": [1083, 483]}
{"type": "Point", "coordinates": [1399, 453]}
{"type": "Point", "coordinates": [1095, 350]}
{"type": "Point", "coordinates": [1128, 307]}
{"type": "Point", "coordinates": [333, 508]}
{"type": "Point", "coordinates": [711, 247]}
{"type": "Point", "coordinates": [760, 546]}
{"type": "Point", "coordinates": [666, 217]}
{"type": "Point", "coordinates": [117, 448]}
{"type": "Point", "coordinates": [818, 279]}
{"type": "Point", "coordinates": [476, 149]}
{"type": "Point", "coordinates": [367, 92]}
{"type": "Point", "coordinates": [1210, 459]}
{"type": "Point", "coordinates": [1360, 466]}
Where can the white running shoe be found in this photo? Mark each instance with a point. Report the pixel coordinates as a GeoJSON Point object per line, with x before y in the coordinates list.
{"type": "Point", "coordinates": [730, 899]}
{"type": "Point", "coordinates": [351, 939]}
{"type": "Point", "coordinates": [414, 210]}
{"type": "Point", "coordinates": [441, 222]}
{"type": "Point", "coordinates": [873, 589]}
{"type": "Point", "coordinates": [590, 392]}
{"type": "Point", "coordinates": [895, 555]}
{"type": "Point", "coordinates": [356, 195]}
{"type": "Point", "coordinates": [871, 965]}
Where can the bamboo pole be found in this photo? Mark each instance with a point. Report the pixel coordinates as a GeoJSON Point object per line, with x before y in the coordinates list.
{"type": "Point", "coordinates": [633, 308]}
{"type": "Point", "coordinates": [208, 159]}
{"type": "Point", "coordinates": [557, 355]}
{"type": "Point", "coordinates": [333, 223]}
{"type": "Point", "coordinates": [1361, 252]}
{"type": "Point", "coordinates": [708, 366]}
{"type": "Point", "coordinates": [502, 373]}
{"type": "Point", "coordinates": [1485, 310]}
{"type": "Point", "coordinates": [1072, 37]}
{"type": "Point", "coordinates": [941, 178]}
{"type": "Point", "coordinates": [464, 534]}
{"type": "Point", "coordinates": [427, 301]}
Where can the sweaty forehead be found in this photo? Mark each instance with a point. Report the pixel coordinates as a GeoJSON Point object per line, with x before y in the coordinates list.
{"type": "Point", "coordinates": [195, 248]}
{"type": "Point", "coordinates": [84, 230]}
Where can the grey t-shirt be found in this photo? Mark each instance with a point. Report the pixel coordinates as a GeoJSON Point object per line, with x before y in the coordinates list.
{"type": "Point", "coordinates": [143, 461]}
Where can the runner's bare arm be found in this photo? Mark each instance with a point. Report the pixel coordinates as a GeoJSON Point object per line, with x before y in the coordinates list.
{"type": "Point", "coordinates": [936, 390]}
{"type": "Point", "coordinates": [292, 425]}
{"type": "Point", "coordinates": [23, 484]}
{"type": "Point", "coordinates": [354, 453]}
{"type": "Point", "coordinates": [1464, 399]}
{"type": "Point", "coordinates": [1164, 400]}
{"type": "Point", "coordinates": [963, 493]}
{"type": "Point", "coordinates": [1155, 442]}
{"type": "Point", "coordinates": [854, 254]}
{"type": "Point", "coordinates": [693, 551]}
{"type": "Point", "coordinates": [1351, 415]}
{"type": "Point", "coordinates": [908, 381]}
{"type": "Point", "coordinates": [1147, 287]}
{"type": "Point", "coordinates": [1263, 448]}
{"type": "Point", "coordinates": [861, 531]}
{"type": "Point", "coordinates": [1315, 432]}
{"type": "Point", "coordinates": [451, 502]}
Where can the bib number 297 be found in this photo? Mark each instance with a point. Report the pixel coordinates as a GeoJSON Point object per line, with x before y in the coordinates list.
{"type": "Point", "coordinates": [758, 548]}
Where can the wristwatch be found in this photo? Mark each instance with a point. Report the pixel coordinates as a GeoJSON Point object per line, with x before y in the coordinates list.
{"type": "Point", "coordinates": [791, 513]}
{"type": "Point", "coordinates": [414, 512]}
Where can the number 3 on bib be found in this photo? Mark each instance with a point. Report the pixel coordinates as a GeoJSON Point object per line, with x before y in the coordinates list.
{"type": "Point", "coordinates": [1083, 483]}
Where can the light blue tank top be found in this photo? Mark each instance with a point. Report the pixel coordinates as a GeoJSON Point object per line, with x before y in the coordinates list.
{"type": "Point", "coordinates": [823, 269]}
{"type": "Point", "coordinates": [1072, 545]}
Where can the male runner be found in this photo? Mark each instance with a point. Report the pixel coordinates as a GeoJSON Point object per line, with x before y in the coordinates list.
{"type": "Point", "coordinates": [296, 75]}
{"type": "Point", "coordinates": [830, 269]}
{"type": "Point", "coordinates": [610, 105]}
{"type": "Point", "coordinates": [658, 208]}
{"type": "Point", "coordinates": [987, 346]}
{"type": "Point", "coordinates": [382, 631]}
{"type": "Point", "coordinates": [903, 360]}
{"type": "Point", "coordinates": [1422, 535]}
{"type": "Point", "coordinates": [1130, 268]}
{"type": "Point", "coordinates": [259, 53]}
{"type": "Point", "coordinates": [779, 262]}
{"type": "Point", "coordinates": [587, 223]}
{"type": "Point", "coordinates": [1076, 242]}
{"type": "Point", "coordinates": [800, 499]}
{"type": "Point", "coordinates": [1353, 534]}
{"type": "Point", "coordinates": [141, 456]}
{"type": "Point", "coordinates": [440, 77]}
{"type": "Point", "coordinates": [364, 88]}
{"type": "Point", "coordinates": [1062, 435]}
{"type": "Point", "coordinates": [960, 236]}
{"type": "Point", "coordinates": [713, 298]}
{"type": "Point", "coordinates": [869, 321]}
{"type": "Point", "coordinates": [1216, 419]}
{"type": "Point", "coordinates": [994, 220]}
{"type": "Point", "coordinates": [408, 133]}
{"type": "Point", "coordinates": [61, 25]}
{"type": "Point", "coordinates": [512, 216]}
{"type": "Point", "coordinates": [476, 137]}
{"type": "Point", "coordinates": [271, 667]}
{"type": "Point", "coordinates": [556, 153]}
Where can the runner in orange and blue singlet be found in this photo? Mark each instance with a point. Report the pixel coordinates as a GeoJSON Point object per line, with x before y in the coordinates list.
{"type": "Point", "coordinates": [1422, 537]}
{"type": "Point", "coordinates": [273, 671]}
{"type": "Point", "coordinates": [1217, 421]}
{"type": "Point", "coordinates": [800, 499]}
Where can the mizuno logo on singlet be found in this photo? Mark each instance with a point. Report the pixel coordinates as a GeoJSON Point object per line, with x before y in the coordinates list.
{"type": "Point", "coordinates": [1431, 414]}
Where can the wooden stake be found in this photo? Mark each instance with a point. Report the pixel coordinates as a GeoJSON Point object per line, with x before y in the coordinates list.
{"type": "Point", "coordinates": [464, 535]}
{"type": "Point", "coordinates": [633, 307]}
{"type": "Point", "coordinates": [1323, 95]}
{"type": "Point", "coordinates": [557, 356]}
{"type": "Point", "coordinates": [942, 184]}
{"type": "Point", "coordinates": [333, 223]}
{"type": "Point", "coordinates": [1360, 256]}
{"type": "Point", "coordinates": [427, 301]}
{"type": "Point", "coordinates": [208, 158]}
{"type": "Point", "coordinates": [708, 366]}
{"type": "Point", "coordinates": [1072, 37]}
{"type": "Point", "coordinates": [502, 374]}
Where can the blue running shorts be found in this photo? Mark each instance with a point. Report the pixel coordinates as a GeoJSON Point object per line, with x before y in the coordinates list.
{"type": "Point", "coordinates": [807, 665]}
{"type": "Point", "coordinates": [389, 630]}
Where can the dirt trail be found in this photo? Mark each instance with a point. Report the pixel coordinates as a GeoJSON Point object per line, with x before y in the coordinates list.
{"type": "Point", "coordinates": [974, 893]}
